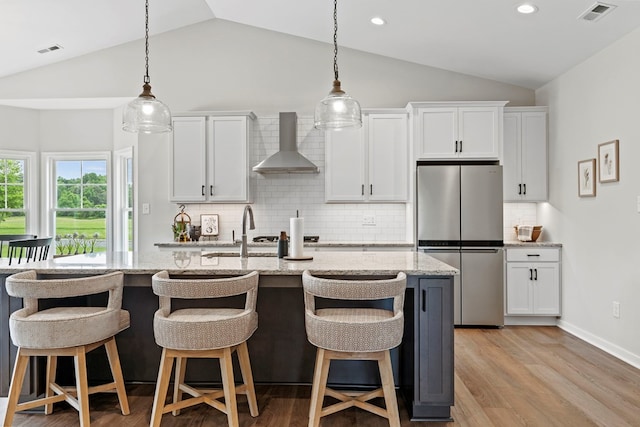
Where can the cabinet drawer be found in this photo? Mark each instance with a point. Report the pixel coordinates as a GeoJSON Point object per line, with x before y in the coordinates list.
{"type": "Point", "coordinates": [533, 254]}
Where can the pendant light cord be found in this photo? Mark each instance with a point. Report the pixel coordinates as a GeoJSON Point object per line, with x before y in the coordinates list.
{"type": "Point", "coordinates": [335, 39]}
{"type": "Point", "coordinates": [146, 41]}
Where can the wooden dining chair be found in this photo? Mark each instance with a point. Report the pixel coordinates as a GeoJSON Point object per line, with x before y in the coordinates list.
{"type": "Point", "coordinates": [4, 238]}
{"type": "Point", "coordinates": [33, 249]}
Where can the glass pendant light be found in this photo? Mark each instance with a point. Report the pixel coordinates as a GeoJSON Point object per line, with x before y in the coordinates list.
{"type": "Point", "coordinates": [337, 110]}
{"type": "Point", "coordinates": [146, 113]}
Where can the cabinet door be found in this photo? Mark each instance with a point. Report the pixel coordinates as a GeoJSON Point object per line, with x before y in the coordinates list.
{"type": "Point", "coordinates": [388, 157]}
{"type": "Point", "coordinates": [436, 133]}
{"type": "Point", "coordinates": [519, 288]}
{"type": "Point", "coordinates": [227, 159]}
{"type": "Point", "coordinates": [511, 167]}
{"type": "Point", "coordinates": [345, 165]}
{"type": "Point", "coordinates": [546, 289]}
{"type": "Point", "coordinates": [188, 160]}
{"type": "Point", "coordinates": [479, 132]}
{"type": "Point", "coordinates": [534, 156]}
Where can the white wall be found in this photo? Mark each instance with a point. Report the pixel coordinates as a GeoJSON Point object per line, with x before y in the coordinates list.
{"type": "Point", "coordinates": [19, 129]}
{"type": "Point", "coordinates": [595, 102]}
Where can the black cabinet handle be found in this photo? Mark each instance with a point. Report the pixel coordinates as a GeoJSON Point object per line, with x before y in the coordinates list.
{"type": "Point", "coordinates": [211, 190]}
{"type": "Point", "coordinates": [530, 274]}
{"type": "Point", "coordinates": [536, 276]}
{"type": "Point", "coordinates": [519, 188]}
{"type": "Point", "coordinates": [525, 188]}
{"type": "Point", "coordinates": [456, 146]}
{"type": "Point", "coordinates": [203, 190]}
{"type": "Point", "coordinates": [461, 146]}
{"type": "Point", "coordinates": [362, 190]}
{"type": "Point", "coordinates": [533, 254]}
{"type": "Point", "coordinates": [371, 189]}
{"type": "Point", "coordinates": [424, 300]}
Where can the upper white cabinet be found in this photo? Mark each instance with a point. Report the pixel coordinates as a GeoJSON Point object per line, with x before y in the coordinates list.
{"type": "Point", "coordinates": [370, 163]}
{"type": "Point", "coordinates": [210, 157]}
{"type": "Point", "coordinates": [457, 130]}
{"type": "Point", "coordinates": [525, 154]}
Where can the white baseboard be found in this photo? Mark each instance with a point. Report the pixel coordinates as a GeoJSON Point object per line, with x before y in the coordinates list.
{"type": "Point", "coordinates": [612, 349]}
{"type": "Point", "coordinates": [530, 320]}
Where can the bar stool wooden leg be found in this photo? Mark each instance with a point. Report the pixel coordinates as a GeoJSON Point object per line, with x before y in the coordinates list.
{"type": "Point", "coordinates": [247, 378]}
{"type": "Point", "coordinates": [319, 387]}
{"type": "Point", "coordinates": [17, 378]}
{"type": "Point", "coordinates": [228, 385]}
{"type": "Point", "coordinates": [164, 375]}
{"type": "Point", "coordinates": [181, 369]}
{"type": "Point", "coordinates": [80, 361]}
{"type": "Point", "coordinates": [391, 402]}
{"type": "Point", "coordinates": [116, 371]}
{"type": "Point", "coordinates": [52, 364]}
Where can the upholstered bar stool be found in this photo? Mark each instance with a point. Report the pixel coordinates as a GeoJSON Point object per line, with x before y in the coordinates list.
{"type": "Point", "coordinates": [353, 334]}
{"type": "Point", "coordinates": [204, 333]}
{"type": "Point", "coordinates": [65, 331]}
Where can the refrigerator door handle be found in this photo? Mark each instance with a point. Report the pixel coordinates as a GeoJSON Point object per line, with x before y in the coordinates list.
{"type": "Point", "coordinates": [480, 250]}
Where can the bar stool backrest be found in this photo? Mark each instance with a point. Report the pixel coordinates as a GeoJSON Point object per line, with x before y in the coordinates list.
{"type": "Point", "coordinates": [33, 249]}
{"type": "Point", "coordinates": [7, 237]}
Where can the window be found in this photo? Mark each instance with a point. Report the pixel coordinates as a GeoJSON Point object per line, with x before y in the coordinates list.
{"type": "Point", "coordinates": [79, 203]}
{"type": "Point", "coordinates": [123, 200]}
{"type": "Point", "coordinates": [16, 196]}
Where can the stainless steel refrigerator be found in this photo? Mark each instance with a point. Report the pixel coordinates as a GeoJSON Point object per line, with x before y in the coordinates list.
{"type": "Point", "coordinates": [459, 221]}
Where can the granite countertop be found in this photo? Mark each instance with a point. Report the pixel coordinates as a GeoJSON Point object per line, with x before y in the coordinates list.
{"type": "Point", "coordinates": [519, 244]}
{"type": "Point", "coordinates": [220, 263]}
{"type": "Point", "coordinates": [327, 244]}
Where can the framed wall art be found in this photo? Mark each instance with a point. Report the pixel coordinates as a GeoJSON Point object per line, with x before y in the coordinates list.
{"type": "Point", "coordinates": [209, 224]}
{"type": "Point", "coordinates": [608, 161]}
{"type": "Point", "coordinates": [587, 178]}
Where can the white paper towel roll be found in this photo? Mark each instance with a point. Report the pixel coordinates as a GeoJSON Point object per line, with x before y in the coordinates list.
{"type": "Point", "coordinates": [296, 231]}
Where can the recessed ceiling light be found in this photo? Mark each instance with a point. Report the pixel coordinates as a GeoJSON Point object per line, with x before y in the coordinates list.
{"type": "Point", "coordinates": [527, 8]}
{"type": "Point", "coordinates": [376, 20]}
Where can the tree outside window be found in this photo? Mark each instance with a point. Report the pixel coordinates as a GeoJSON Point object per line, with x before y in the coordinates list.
{"type": "Point", "coordinates": [12, 201]}
{"type": "Point", "coordinates": [81, 206]}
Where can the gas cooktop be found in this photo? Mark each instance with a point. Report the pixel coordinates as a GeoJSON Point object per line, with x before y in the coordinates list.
{"type": "Point", "coordinates": [262, 239]}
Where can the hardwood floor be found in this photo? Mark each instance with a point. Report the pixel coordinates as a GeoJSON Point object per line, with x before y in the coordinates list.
{"type": "Point", "coordinates": [516, 376]}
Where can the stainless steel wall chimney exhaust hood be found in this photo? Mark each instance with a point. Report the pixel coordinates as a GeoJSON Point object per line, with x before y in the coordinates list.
{"type": "Point", "coordinates": [287, 159]}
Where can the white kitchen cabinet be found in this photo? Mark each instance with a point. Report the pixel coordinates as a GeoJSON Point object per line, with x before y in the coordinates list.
{"type": "Point", "coordinates": [370, 163]}
{"type": "Point", "coordinates": [533, 281]}
{"type": "Point", "coordinates": [525, 154]}
{"type": "Point", "coordinates": [210, 158]}
{"type": "Point", "coordinates": [450, 130]}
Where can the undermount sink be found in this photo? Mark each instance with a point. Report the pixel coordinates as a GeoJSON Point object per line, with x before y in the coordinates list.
{"type": "Point", "coordinates": [237, 254]}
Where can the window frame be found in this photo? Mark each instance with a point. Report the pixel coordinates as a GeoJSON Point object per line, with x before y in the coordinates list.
{"type": "Point", "coordinates": [50, 185]}
{"type": "Point", "coordinates": [30, 159]}
{"type": "Point", "coordinates": [120, 206]}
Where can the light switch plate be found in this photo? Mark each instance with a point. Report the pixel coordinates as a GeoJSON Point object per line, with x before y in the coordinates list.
{"type": "Point", "coordinates": [145, 208]}
{"type": "Point", "coordinates": [638, 204]}
{"type": "Point", "coordinates": [368, 220]}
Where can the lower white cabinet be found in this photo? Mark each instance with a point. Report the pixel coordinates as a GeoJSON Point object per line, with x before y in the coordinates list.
{"type": "Point", "coordinates": [533, 281]}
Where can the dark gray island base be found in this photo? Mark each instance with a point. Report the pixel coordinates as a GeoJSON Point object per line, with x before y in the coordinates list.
{"type": "Point", "coordinates": [279, 350]}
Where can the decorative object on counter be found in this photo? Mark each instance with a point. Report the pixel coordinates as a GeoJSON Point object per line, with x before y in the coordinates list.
{"type": "Point", "coordinates": [337, 110]}
{"type": "Point", "coordinates": [209, 224]}
{"type": "Point", "coordinates": [528, 233]}
{"type": "Point", "coordinates": [587, 178]}
{"type": "Point", "coordinates": [180, 227]}
{"type": "Point", "coordinates": [283, 245]}
{"type": "Point", "coordinates": [195, 231]}
{"type": "Point", "coordinates": [146, 113]}
{"type": "Point", "coordinates": [296, 233]}
{"type": "Point", "coordinates": [74, 244]}
{"type": "Point", "coordinates": [608, 161]}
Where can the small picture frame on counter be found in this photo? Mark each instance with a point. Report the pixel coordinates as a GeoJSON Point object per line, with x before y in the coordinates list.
{"type": "Point", "coordinates": [587, 178]}
{"type": "Point", "coordinates": [608, 161]}
{"type": "Point", "coordinates": [209, 224]}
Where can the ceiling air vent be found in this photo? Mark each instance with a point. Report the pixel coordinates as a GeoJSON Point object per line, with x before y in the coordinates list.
{"type": "Point", "coordinates": [596, 12]}
{"type": "Point", "coordinates": [50, 48]}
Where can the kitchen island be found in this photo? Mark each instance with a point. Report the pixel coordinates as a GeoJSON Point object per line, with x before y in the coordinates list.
{"type": "Point", "coordinates": [280, 353]}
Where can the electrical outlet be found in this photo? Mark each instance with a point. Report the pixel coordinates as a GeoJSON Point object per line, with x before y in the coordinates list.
{"type": "Point", "coordinates": [145, 208]}
{"type": "Point", "coordinates": [368, 220]}
{"type": "Point", "coordinates": [616, 309]}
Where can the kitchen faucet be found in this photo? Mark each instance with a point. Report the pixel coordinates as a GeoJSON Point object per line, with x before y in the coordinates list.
{"type": "Point", "coordinates": [252, 226]}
